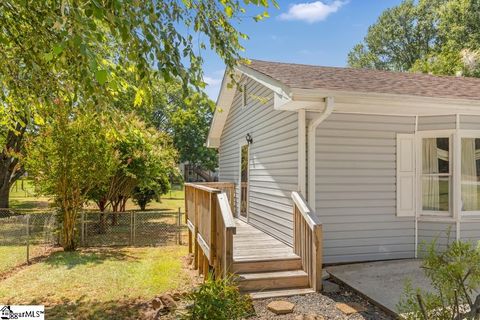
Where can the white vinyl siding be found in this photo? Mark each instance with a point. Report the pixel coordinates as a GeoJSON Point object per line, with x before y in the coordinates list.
{"type": "Point", "coordinates": [469, 122]}
{"type": "Point", "coordinates": [470, 231]}
{"type": "Point", "coordinates": [441, 232]}
{"type": "Point", "coordinates": [356, 188]}
{"type": "Point", "coordinates": [273, 158]}
{"type": "Point", "coordinates": [428, 123]}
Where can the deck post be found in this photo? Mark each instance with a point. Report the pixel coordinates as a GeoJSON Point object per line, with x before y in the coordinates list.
{"type": "Point", "coordinates": [317, 258]}
{"type": "Point", "coordinates": [213, 227]}
{"type": "Point", "coordinates": [195, 232]}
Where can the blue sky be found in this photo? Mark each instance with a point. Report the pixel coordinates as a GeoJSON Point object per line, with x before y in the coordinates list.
{"type": "Point", "coordinates": [310, 32]}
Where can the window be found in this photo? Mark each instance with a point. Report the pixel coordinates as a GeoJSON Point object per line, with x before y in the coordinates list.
{"type": "Point", "coordinates": [470, 168]}
{"type": "Point", "coordinates": [244, 95]}
{"type": "Point", "coordinates": [436, 175]}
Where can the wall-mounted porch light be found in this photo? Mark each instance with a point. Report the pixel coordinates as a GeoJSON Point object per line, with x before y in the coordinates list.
{"type": "Point", "coordinates": [249, 138]}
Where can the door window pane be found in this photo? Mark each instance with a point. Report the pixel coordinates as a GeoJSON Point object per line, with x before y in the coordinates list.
{"type": "Point", "coordinates": [244, 181]}
{"type": "Point", "coordinates": [470, 174]}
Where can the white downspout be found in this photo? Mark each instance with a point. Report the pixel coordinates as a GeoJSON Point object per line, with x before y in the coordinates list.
{"type": "Point", "coordinates": [312, 129]}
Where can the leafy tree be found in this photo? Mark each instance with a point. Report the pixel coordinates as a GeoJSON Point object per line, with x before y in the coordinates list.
{"type": "Point", "coordinates": [144, 159]}
{"type": "Point", "coordinates": [78, 50]}
{"type": "Point", "coordinates": [143, 196]}
{"type": "Point", "coordinates": [187, 120]}
{"type": "Point", "coordinates": [401, 36]}
{"type": "Point", "coordinates": [458, 45]}
{"type": "Point", "coordinates": [70, 157]}
{"type": "Point", "coordinates": [455, 276]}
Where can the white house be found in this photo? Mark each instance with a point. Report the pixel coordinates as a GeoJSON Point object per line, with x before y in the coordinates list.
{"type": "Point", "coordinates": [386, 160]}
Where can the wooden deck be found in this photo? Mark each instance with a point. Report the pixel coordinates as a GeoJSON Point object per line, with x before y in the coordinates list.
{"type": "Point", "coordinates": [251, 244]}
{"type": "Point", "coordinates": [264, 266]}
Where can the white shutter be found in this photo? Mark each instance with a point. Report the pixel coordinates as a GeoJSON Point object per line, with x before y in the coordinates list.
{"type": "Point", "coordinates": [405, 175]}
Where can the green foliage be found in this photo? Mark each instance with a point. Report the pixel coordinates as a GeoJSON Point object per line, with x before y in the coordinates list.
{"type": "Point", "coordinates": [62, 46]}
{"type": "Point", "coordinates": [186, 119]}
{"type": "Point", "coordinates": [455, 276]}
{"type": "Point", "coordinates": [219, 299]}
{"type": "Point", "coordinates": [143, 196]}
{"type": "Point", "coordinates": [70, 157]}
{"type": "Point", "coordinates": [434, 36]}
{"type": "Point", "coordinates": [143, 158]}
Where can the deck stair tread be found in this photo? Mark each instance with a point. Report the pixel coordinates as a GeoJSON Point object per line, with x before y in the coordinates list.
{"type": "Point", "coordinates": [265, 266]}
{"type": "Point", "coordinates": [270, 275]}
{"type": "Point", "coordinates": [279, 293]}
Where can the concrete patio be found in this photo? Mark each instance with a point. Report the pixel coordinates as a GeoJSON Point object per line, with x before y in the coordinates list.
{"type": "Point", "coordinates": [381, 282]}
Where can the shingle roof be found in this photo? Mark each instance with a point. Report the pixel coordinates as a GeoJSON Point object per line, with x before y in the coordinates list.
{"type": "Point", "coordinates": [369, 81]}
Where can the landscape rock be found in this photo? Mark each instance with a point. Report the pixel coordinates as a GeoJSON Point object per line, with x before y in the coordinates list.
{"type": "Point", "coordinates": [309, 317]}
{"type": "Point", "coordinates": [330, 287]}
{"type": "Point", "coordinates": [281, 307]}
{"type": "Point", "coordinates": [177, 296]}
{"type": "Point", "coordinates": [168, 302]}
{"type": "Point", "coordinates": [156, 303]}
{"type": "Point", "coordinates": [350, 308]}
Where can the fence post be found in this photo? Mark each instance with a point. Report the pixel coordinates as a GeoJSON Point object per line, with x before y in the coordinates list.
{"type": "Point", "coordinates": [82, 228]}
{"type": "Point", "coordinates": [28, 239]}
{"type": "Point", "coordinates": [179, 223]}
{"type": "Point", "coordinates": [132, 228]}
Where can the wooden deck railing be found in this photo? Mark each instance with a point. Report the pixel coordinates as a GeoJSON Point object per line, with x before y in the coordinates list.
{"type": "Point", "coordinates": [211, 226]}
{"type": "Point", "coordinates": [307, 240]}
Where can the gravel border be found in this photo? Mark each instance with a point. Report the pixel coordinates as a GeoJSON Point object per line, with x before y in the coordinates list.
{"type": "Point", "coordinates": [321, 305]}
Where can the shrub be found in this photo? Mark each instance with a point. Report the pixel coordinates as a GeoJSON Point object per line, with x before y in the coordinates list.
{"type": "Point", "coordinates": [455, 276]}
{"type": "Point", "coordinates": [219, 299]}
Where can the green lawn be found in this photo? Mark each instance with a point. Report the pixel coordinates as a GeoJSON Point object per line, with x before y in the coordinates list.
{"type": "Point", "coordinates": [97, 283]}
{"type": "Point", "coordinates": [22, 196]}
{"type": "Point", "coordinates": [11, 256]}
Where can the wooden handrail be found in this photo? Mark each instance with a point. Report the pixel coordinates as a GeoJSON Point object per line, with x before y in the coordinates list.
{"type": "Point", "coordinates": [203, 187]}
{"type": "Point", "coordinates": [310, 217]}
{"type": "Point", "coordinates": [307, 240]}
{"type": "Point", "coordinates": [226, 212]}
{"type": "Point", "coordinates": [211, 225]}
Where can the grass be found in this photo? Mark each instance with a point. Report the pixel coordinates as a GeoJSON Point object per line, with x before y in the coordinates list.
{"type": "Point", "coordinates": [97, 284]}
{"type": "Point", "coordinates": [11, 256]}
{"type": "Point", "coordinates": [105, 283]}
{"type": "Point", "coordinates": [23, 196]}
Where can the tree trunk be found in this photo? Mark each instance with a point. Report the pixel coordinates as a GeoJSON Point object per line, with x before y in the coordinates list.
{"type": "Point", "coordinates": [4, 195]}
{"type": "Point", "coordinates": [123, 204]}
{"type": "Point", "coordinates": [10, 170]}
{"type": "Point", "coordinates": [68, 230]}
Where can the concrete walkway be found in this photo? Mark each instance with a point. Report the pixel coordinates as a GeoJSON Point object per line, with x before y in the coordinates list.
{"type": "Point", "coordinates": [382, 282]}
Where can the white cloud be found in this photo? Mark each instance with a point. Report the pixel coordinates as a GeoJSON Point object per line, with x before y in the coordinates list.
{"type": "Point", "coordinates": [212, 81]}
{"type": "Point", "coordinates": [312, 11]}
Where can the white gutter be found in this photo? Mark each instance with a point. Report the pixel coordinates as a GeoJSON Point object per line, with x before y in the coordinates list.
{"type": "Point", "coordinates": [312, 129]}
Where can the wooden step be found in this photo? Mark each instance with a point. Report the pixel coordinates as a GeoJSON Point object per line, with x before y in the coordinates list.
{"type": "Point", "coordinates": [272, 280]}
{"type": "Point", "coordinates": [279, 293]}
{"type": "Point", "coordinates": [294, 263]}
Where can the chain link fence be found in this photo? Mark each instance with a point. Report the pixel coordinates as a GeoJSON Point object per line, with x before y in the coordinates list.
{"type": "Point", "coordinates": [24, 237]}
{"type": "Point", "coordinates": [133, 228]}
